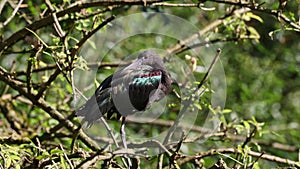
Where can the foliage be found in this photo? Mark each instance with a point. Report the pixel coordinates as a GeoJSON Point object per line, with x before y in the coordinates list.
{"type": "Point", "coordinates": [53, 52]}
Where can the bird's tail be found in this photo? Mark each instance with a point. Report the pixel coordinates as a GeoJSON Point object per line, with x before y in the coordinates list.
{"type": "Point", "coordinates": [89, 111]}
{"type": "Point", "coordinates": [99, 104]}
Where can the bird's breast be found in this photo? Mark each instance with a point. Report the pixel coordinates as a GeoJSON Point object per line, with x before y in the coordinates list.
{"type": "Point", "coordinates": [142, 87]}
{"type": "Point", "coordinates": [150, 78]}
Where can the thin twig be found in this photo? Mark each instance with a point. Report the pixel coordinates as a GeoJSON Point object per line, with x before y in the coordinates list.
{"type": "Point", "coordinates": [12, 15]}
{"type": "Point", "coordinates": [172, 159]}
{"type": "Point", "coordinates": [176, 4]}
{"type": "Point", "coordinates": [183, 136]}
{"type": "Point", "coordinates": [256, 160]}
{"type": "Point", "coordinates": [258, 7]}
{"type": "Point", "coordinates": [186, 44]}
{"type": "Point", "coordinates": [2, 3]}
{"type": "Point", "coordinates": [116, 64]}
{"type": "Point", "coordinates": [246, 141]}
{"type": "Point", "coordinates": [29, 72]}
{"type": "Point", "coordinates": [56, 24]}
{"type": "Point", "coordinates": [89, 34]}
{"type": "Point", "coordinates": [213, 152]}
{"type": "Point", "coordinates": [12, 68]}
{"type": "Point", "coordinates": [41, 103]}
{"type": "Point", "coordinates": [47, 84]}
{"type": "Point", "coordinates": [184, 109]}
{"type": "Point", "coordinates": [72, 9]}
{"type": "Point", "coordinates": [249, 137]}
{"type": "Point", "coordinates": [66, 157]}
{"type": "Point", "coordinates": [92, 157]}
{"type": "Point", "coordinates": [109, 130]}
{"type": "Point", "coordinates": [89, 65]}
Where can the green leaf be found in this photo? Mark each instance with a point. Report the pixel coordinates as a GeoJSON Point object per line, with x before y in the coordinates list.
{"type": "Point", "coordinates": [15, 157]}
{"type": "Point", "coordinates": [44, 155]}
{"type": "Point", "coordinates": [92, 43]}
{"type": "Point", "coordinates": [223, 120]}
{"type": "Point", "coordinates": [239, 128]}
{"type": "Point", "coordinates": [63, 162]}
{"type": "Point", "coordinates": [225, 111]}
{"type": "Point", "coordinates": [253, 31]}
{"type": "Point", "coordinates": [81, 63]}
{"type": "Point", "coordinates": [257, 146]}
{"type": "Point", "coordinates": [247, 125]}
{"type": "Point", "coordinates": [198, 106]}
{"type": "Point", "coordinates": [256, 166]}
{"type": "Point", "coordinates": [8, 161]}
{"type": "Point", "coordinates": [96, 83]}
{"type": "Point", "coordinates": [56, 151]}
{"type": "Point", "coordinates": [69, 88]}
{"type": "Point", "coordinates": [256, 17]}
{"type": "Point", "coordinates": [41, 157]}
{"type": "Point", "coordinates": [61, 55]}
{"type": "Point", "coordinates": [18, 166]}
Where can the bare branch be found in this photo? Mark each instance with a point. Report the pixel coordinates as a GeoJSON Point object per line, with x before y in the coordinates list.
{"type": "Point", "coordinates": [213, 152]}
{"type": "Point", "coordinates": [89, 34]}
{"type": "Point", "coordinates": [11, 16]}
{"type": "Point", "coordinates": [90, 65]}
{"type": "Point", "coordinates": [2, 3]}
{"type": "Point", "coordinates": [72, 9]}
{"type": "Point", "coordinates": [41, 103]}
{"type": "Point", "coordinates": [258, 7]}
{"type": "Point", "coordinates": [185, 107]}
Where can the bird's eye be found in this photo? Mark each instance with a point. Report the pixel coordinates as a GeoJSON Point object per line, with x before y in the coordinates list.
{"type": "Point", "coordinates": [145, 57]}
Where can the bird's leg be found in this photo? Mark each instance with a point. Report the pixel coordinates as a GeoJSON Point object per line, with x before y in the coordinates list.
{"type": "Point", "coordinates": [122, 132]}
{"type": "Point", "coordinates": [123, 137]}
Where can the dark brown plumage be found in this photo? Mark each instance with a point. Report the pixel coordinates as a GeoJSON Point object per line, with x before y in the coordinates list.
{"type": "Point", "coordinates": [131, 89]}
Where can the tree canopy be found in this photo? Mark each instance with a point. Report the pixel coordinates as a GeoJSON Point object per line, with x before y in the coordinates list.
{"type": "Point", "coordinates": [235, 67]}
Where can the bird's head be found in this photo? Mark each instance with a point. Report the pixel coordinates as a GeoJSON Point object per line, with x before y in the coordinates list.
{"type": "Point", "coordinates": [150, 58]}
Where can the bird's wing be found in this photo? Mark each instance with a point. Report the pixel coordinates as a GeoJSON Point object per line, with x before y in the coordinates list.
{"type": "Point", "coordinates": [142, 87]}
{"type": "Point", "coordinates": [123, 93]}
{"type": "Point", "coordinates": [113, 89]}
{"type": "Point", "coordinates": [98, 104]}
{"type": "Point", "coordinates": [105, 84]}
{"type": "Point", "coordinates": [132, 87]}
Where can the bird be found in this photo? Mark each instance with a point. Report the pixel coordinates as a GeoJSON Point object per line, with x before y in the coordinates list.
{"type": "Point", "coordinates": [128, 91]}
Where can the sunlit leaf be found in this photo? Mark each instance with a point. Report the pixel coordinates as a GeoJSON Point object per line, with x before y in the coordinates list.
{"type": "Point", "coordinates": [63, 162]}
{"type": "Point", "coordinates": [256, 17]}
{"type": "Point", "coordinates": [56, 151]}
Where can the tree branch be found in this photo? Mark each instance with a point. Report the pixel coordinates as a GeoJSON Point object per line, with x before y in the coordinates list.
{"type": "Point", "coordinates": [258, 7]}
{"type": "Point", "coordinates": [76, 7]}
{"type": "Point", "coordinates": [11, 16]}
{"type": "Point", "coordinates": [213, 152]}
{"type": "Point", "coordinates": [41, 103]}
